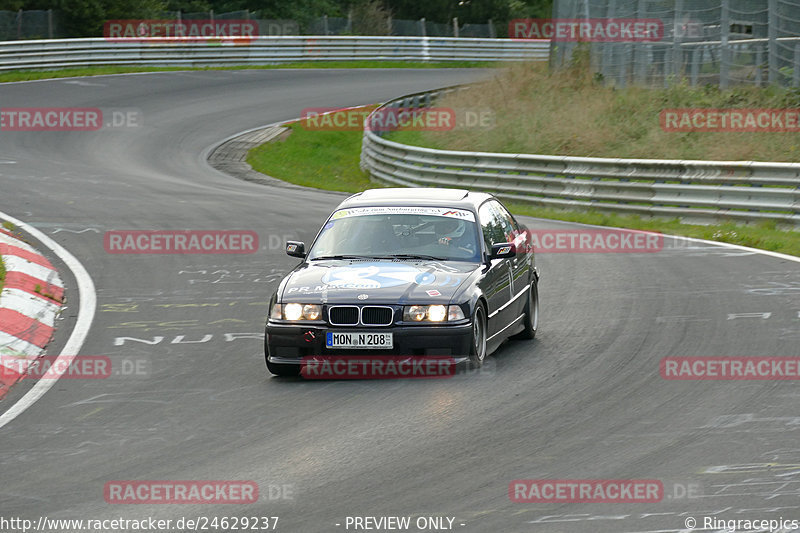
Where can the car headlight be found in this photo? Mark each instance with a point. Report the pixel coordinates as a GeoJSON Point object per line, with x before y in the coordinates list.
{"type": "Point", "coordinates": [415, 313]}
{"type": "Point", "coordinates": [437, 313]}
{"type": "Point", "coordinates": [296, 311]}
{"type": "Point", "coordinates": [432, 313]}
{"type": "Point", "coordinates": [312, 311]}
{"type": "Point", "coordinates": [454, 312]}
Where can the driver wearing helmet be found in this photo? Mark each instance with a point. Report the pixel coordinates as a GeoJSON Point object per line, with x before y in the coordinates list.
{"type": "Point", "coordinates": [452, 232]}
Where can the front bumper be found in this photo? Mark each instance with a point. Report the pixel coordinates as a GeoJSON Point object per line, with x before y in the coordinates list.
{"type": "Point", "coordinates": [289, 343]}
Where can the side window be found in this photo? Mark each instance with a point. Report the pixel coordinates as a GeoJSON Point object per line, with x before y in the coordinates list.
{"type": "Point", "coordinates": [510, 227]}
{"type": "Point", "coordinates": [492, 226]}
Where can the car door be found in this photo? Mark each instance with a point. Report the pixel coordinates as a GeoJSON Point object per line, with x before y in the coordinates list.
{"type": "Point", "coordinates": [521, 263]}
{"type": "Point", "coordinates": [497, 279]}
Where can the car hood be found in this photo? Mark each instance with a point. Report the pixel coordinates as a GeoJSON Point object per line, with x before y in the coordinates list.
{"type": "Point", "coordinates": [386, 282]}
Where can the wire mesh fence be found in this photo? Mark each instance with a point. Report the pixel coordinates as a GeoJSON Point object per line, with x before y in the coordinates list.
{"type": "Point", "coordinates": [719, 42]}
{"type": "Point", "coordinates": [32, 24]}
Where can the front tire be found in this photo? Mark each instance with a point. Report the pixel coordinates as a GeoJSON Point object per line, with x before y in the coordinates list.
{"type": "Point", "coordinates": [531, 313]}
{"type": "Point", "coordinates": [477, 353]}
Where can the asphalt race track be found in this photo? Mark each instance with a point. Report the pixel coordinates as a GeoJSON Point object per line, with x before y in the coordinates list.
{"type": "Point", "coordinates": [585, 400]}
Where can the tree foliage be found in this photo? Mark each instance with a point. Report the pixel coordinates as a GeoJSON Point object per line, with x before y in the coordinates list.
{"type": "Point", "coordinates": [85, 17]}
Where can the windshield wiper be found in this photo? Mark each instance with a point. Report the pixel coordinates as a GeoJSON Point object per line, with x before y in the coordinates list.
{"type": "Point", "coordinates": [343, 256]}
{"type": "Point", "coordinates": [415, 256]}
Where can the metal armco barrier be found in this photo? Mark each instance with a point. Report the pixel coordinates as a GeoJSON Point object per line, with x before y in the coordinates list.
{"type": "Point", "coordinates": [188, 51]}
{"type": "Point", "coordinates": [702, 191]}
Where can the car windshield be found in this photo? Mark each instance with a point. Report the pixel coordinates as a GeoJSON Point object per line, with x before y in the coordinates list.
{"type": "Point", "coordinates": [398, 233]}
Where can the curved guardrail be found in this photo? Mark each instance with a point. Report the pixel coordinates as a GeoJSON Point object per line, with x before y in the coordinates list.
{"type": "Point", "coordinates": [701, 191]}
{"type": "Point", "coordinates": [192, 51]}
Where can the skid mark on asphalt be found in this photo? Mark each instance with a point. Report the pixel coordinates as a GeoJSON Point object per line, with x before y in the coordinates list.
{"type": "Point", "coordinates": [59, 230]}
{"type": "Point", "coordinates": [770, 484]}
{"type": "Point", "coordinates": [147, 397]}
{"type": "Point", "coordinates": [229, 274]}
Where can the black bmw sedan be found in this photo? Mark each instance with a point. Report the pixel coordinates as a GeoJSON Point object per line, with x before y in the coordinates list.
{"type": "Point", "coordinates": [406, 272]}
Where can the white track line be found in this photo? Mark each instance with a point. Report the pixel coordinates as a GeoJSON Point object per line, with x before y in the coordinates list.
{"type": "Point", "coordinates": [86, 310]}
{"type": "Point", "coordinates": [739, 247]}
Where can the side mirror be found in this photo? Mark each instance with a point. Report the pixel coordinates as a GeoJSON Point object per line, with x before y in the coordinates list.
{"type": "Point", "coordinates": [296, 249]}
{"type": "Point", "coordinates": [503, 250]}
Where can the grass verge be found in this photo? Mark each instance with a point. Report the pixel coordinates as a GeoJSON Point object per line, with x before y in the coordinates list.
{"type": "Point", "coordinates": [313, 158]}
{"type": "Point", "coordinates": [8, 226]}
{"type": "Point", "coordinates": [330, 160]}
{"type": "Point", "coordinates": [573, 113]}
{"type": "Point", "coordinates": [28, 75]}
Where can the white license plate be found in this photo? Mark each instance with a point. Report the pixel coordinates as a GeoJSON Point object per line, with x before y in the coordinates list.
{"type": "Point", "coordinates": [359, 340]}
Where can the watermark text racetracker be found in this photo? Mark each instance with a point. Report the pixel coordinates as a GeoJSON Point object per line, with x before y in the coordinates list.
{"type": "Point", "coordinates": [601, 491]}
{"type": "Point", "coordinates": [144, 524]}
{"type": "Point", "coordinates": [396, 118]}
{"type": "Point", "coordinates": [68, 118]}
{"type": "Point", "coordinates": [181, 30]}
{"type": "Point", "coordinates": [586, 490]}
{"type": "Point", "coordinates": [180, 242]}
{"type": "Point", "coordinates": [730, 368]}
{"type": "Point", "coordinates": [78, 367]}
{"type": "Point", "coordinates": [375, 367]}
{"type": "Point", "coordinates": [386, 366]}
{"type": "Point", "coordinates": [730, 120]}
{"type": "Point", "coordinates": [184, 492]}
{"type": "Point", "coordinates": [601, 30]}
{"type": "Point", "coordinates": [594, 241]}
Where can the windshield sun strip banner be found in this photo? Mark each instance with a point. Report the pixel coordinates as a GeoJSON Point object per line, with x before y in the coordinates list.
{"type": "Point", "coordinates": [460, 214]}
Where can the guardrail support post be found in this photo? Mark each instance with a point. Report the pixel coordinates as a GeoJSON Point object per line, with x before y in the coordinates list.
{"type": "Point", "coordinates": [639, 63]}
{"type": "Point", "coordinates": [696, 55]}
{"type": "Point", "coordinates": [49, 23]}
{"type": "Point", "coordinates": [640, 50]}
{"type": "Point", "coordinates": [669, 52]}
{"type": "Point", "coordinates": [455, 27]}
{"type": "Point", "coordinates": [627, 53]}
{"type": "Point", "coordinates": [759, 64]}
{"type": "Point", "coordinates": [796, 66]}
{"type": "Point", "coordinates": [422, 27]}
{"type": "Point", "coordinates": [607, 49]}
{"type": "Point", "coordinates": [676, 41]}
{"type": "Point", "coordinates": [772, 35]}
{"type": "Point", "coordinates": [725, 47]}
{"type": "Point", "coordinates": [619, 52]}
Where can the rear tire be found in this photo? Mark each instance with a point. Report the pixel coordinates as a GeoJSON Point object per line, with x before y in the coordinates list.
{"type": "Point", "coordinates": [477, 352]}
{"type": "Point", "coordinates": [531, 311]}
